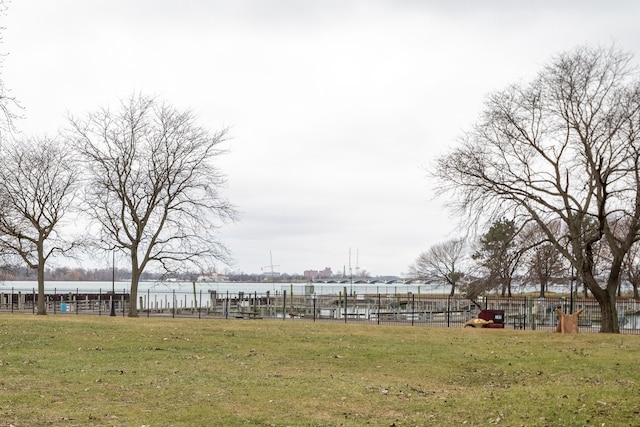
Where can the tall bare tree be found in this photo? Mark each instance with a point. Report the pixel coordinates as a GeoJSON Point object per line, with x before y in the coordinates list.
{"type": "Point", "coordinates": [565, 148]}
{"type": "Point", "coordinates": [153, 188]}
{"type": "Point", "coordinates": [38, 181]}
{"type": "Point", "coordinates": [444, 261]}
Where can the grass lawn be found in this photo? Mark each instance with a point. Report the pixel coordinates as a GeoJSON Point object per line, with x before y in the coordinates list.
{"type": "Point", "coordinates": [103, 371]}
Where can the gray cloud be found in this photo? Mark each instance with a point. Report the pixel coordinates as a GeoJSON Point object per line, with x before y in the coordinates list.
{"type": "Point", "coordinates": [335, 107]}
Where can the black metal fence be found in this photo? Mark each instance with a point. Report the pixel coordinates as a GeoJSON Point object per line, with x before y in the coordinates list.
{"type": "Point", "coordinates": [398, 308]}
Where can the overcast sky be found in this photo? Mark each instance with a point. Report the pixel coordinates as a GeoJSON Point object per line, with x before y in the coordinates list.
{"type": "Point", "coordinates": [335, 108]}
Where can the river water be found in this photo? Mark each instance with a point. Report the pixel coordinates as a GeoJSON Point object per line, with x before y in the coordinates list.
{"type": "Point", "coordinates": [169, 287]}
{"type": "Point", "coordinates": [187, 294]}
{"type": "Point", "coordinates": [60, 287]}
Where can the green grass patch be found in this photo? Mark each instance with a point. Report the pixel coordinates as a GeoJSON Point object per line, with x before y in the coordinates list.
{"type": "Point", "coordinates": [104, 371]}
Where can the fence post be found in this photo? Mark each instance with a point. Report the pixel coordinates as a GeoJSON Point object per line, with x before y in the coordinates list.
{"type": "Point", "coordinates": [448, 311]}
{"type": "Point", "coordinates": [530, 315]}
{"type": "Point", "coordinates": [226, 307]}
{"type": "Point", "coordinates": [379, 302]}
{"type": "Point", "coordinates": [346, 305]}
{"type": "Point", "coordinates": [33, 306]}
{"type": "Point", "coordinates": [269, 309]}
{"type": "Point", "coordinates": [284, 304]}
{"type": "Point", "coordinates": [413, 308]}
{"type": "Point", "coordinates": [314, 306]}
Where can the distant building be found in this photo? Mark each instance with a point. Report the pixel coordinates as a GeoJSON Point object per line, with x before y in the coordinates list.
{"type": "Point", "coordinates": [317, 275]}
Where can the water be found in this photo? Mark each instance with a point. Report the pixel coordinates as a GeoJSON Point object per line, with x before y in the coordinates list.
{"type": "Point", "coordinates": [182, 294]}
{"type": "Point", "coordinates": [234, 288]}
{"type": "Point", "coordinates": [221, 288]}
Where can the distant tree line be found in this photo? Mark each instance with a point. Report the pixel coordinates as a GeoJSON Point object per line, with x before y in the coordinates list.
{"type": "Point", "coordinates": [19, 272]}
{"type": "Point", "coordinates": [66, 274]}
{"type": "Point", "coordinates": [504, 255]}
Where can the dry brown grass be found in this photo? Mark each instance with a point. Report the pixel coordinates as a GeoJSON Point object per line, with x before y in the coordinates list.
{"type": "Point", "coordinates": [102, 371]}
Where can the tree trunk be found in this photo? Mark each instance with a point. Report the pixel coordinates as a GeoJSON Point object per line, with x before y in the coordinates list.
{"type": "Point", "coordinates": [133, 295]}
{"type": "Point", "coordinates": [608, 312]}
{"type": "Point", "coordinates": [135, 280]}
{"type": "Point", "coordinates": [636, 295]}
{"type": "Point", "coordinates": [42, 307]}
{"type": "Point", "coordinates": [609, 315]}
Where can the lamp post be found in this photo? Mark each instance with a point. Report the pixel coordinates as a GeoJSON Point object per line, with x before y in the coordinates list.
{"type": "Point", "coordinates": [113, 284]}
{"type": "Point", "coordinates": [573, 277]}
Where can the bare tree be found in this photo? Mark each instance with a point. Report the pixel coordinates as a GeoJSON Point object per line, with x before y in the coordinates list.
{"type": "Point", "coordinates": [443, 260]}
{"type": "Point", "coordinates": [545, 264]}
{"type": "Point", "coordinates": [37, 189]}
{"type": "Point", "coordinates": [153, 188]}
{"type": "Point", "coordinates": [562, 148]}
